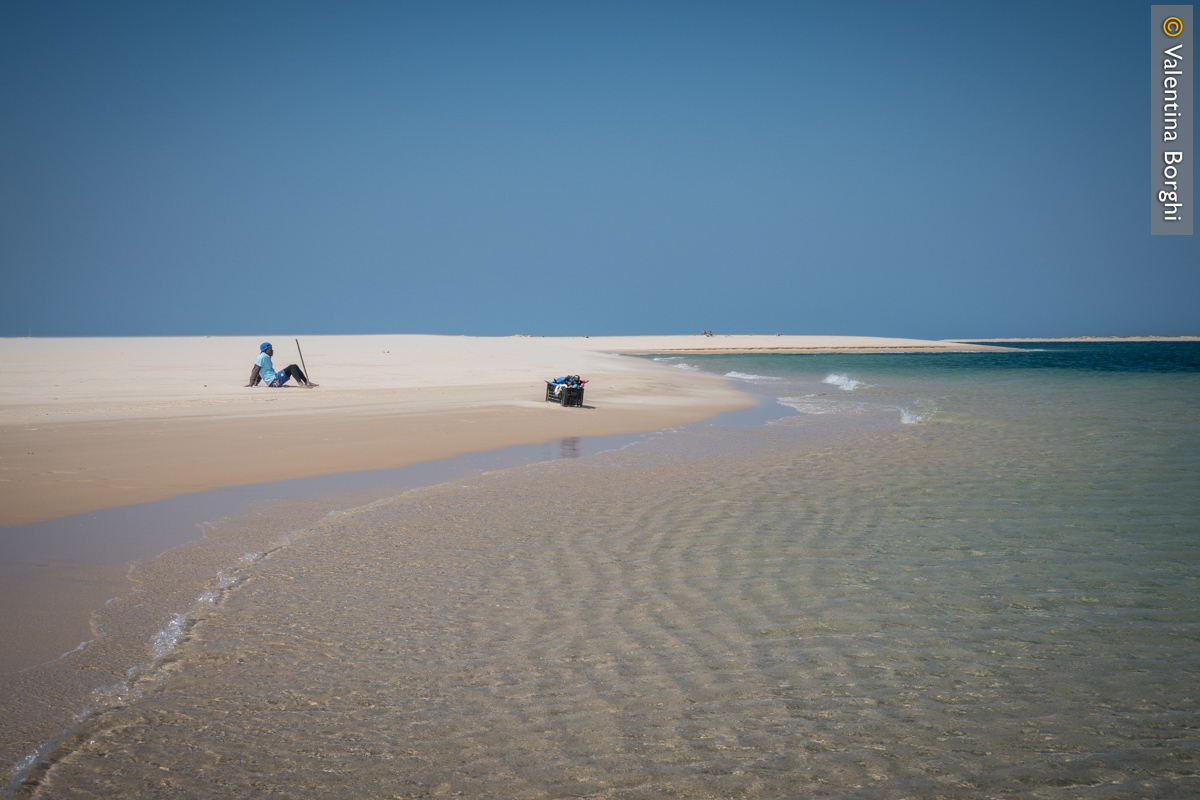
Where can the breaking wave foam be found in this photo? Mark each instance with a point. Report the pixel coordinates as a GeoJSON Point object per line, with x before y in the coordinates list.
{"type": "Point", "coordinates": [681, 365]}
{"type": "Point", "coordinates": [742, 376]}
{"type": "Point", "coordinates": [911, 416]}
{"type": "Point", "coordinates": [166, 639]}
{"type": "Point", "coordinates": [843, 382]}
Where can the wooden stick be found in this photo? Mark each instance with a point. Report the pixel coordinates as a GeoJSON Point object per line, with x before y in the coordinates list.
{"type": "Point", "coordinates": [301, 352]}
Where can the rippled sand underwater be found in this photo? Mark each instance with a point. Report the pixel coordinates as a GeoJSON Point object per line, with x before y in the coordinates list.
{"type": "Point", "coordinates": [841, 606]}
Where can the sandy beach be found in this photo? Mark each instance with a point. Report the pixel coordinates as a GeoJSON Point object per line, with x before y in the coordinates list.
{"type": "Point", "coordinates": [1028, 339]}
{"type": "Point", "coordinates": [90, 424]}
{"type": "Point", "coordinates": [667, 615]}
{"type": "Point", "coordinates": [98, 423]}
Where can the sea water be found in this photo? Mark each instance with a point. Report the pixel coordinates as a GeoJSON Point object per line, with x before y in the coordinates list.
{"type": "Point", "coordinates": [958, 575]}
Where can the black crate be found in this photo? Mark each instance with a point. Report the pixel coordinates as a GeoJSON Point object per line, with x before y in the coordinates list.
{"type": "Point", "coordinates": [570, 396]}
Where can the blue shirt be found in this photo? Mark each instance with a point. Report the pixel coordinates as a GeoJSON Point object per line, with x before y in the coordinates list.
{"type": "Point", "coordinates": [265, 369]}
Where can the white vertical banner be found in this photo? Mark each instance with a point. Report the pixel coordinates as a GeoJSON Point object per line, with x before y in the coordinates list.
{"type": "Point", "coordinates": [1172, 67]}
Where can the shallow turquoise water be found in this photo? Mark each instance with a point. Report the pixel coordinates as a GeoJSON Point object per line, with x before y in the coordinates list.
{"type": "Point", "coordinates": [943, 576]}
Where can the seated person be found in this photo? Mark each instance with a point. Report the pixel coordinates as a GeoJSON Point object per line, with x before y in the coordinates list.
{"type": "Point", "coordinates": [263, 370]}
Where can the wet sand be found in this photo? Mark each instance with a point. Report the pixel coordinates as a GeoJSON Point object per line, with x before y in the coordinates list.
{"type": "Point", "coordinates": [47, 608]}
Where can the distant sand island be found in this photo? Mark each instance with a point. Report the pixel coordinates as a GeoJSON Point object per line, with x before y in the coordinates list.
{"type": "Point", "coordinates": [1085, 339]}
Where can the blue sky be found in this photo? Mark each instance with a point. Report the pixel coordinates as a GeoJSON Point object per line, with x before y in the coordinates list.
{"type": "Point", "coordinates": [569, 168]}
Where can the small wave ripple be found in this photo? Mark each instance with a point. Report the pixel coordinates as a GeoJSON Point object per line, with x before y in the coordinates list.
{"type": "Point", "coordinates": [743, 376]}
{"type": "Point", "coordinates": [843, 382]}
{"type": "Point", "coordinates": [811, 404]}
{"type": "Point", "coordinates": [910, 416]}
